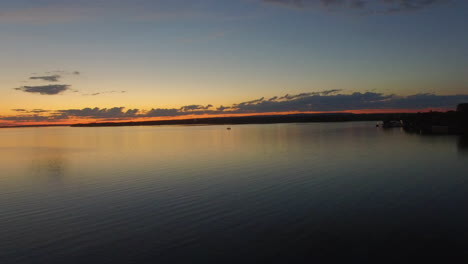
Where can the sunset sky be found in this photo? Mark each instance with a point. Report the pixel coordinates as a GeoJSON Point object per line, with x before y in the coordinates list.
{"type": "Point", "coordinates": [68, 61]}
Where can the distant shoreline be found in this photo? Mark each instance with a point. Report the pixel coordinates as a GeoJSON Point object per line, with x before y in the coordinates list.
{"type": "Point", "coordinates": [273, 119]}
{"type": "Point", "coordinates": [26, 126]}
{"type": "Point", "coordinates": [243, 120]}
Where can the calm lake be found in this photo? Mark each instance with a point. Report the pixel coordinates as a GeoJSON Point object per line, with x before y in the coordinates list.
{"type": "Point", "coordinates": [280, 193]}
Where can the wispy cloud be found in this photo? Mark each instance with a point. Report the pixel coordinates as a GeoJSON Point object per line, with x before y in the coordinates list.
{"type": "Point", "coordinates": [368, 6]}
{"type": "Point", "coordinates": [49, 78]}
{"type": "Point", "coordinates": [191, 108]}
{"type": "Point", "coordinates": [184, 110]}
{"type": "Point", "coordinates": [54, 89]}
{"type": "Point", "coordinates": [27, 118]}
{"type": "Point", "coordinates": [103, 92]}
{"type": "Point", "coordinates": [62, 72]}
{"type": "Point", "coordinates": [115, 112]}
{"type": "Point", "coordinates": [51, 89]}
{"type": "Point", "coordinates": [37, 12]}
{"type": "Point", "coordinates": [36, 111]}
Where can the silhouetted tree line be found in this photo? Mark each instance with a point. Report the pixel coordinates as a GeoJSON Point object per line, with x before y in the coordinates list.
{"type": "Point", "coordinates": [295, 118]}
{"type": "Point", "coordinates": [451, 122]}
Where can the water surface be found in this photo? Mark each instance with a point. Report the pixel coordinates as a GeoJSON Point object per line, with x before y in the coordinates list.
{"type": "Point", "coordinates": [281, 193]}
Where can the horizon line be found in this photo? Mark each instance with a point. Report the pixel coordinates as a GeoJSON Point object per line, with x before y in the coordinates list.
{"type": "Point", "coordinates": [88, 121]}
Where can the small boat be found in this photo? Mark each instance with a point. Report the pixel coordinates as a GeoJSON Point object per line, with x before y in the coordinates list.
{"type": "Point", "coordinates": [392, 123]}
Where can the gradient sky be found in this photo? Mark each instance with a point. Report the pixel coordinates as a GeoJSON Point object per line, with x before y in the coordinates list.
{"type": "Point", "coordinates": [95, 59]}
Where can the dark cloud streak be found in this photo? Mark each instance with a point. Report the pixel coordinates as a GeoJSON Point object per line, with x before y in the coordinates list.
{"type": "Point", "coordinates": [115, 112]}
{"type": "Point", "coordinates": [52, 89]}
{"type": "Point", "coordinates": [104, 92]}
{"type": "Point", "coordinates": [49, 78]}
{"type": "Point", "coordinates": [369, 6]}
{"type": "Point", "coordinates": [192, 108]}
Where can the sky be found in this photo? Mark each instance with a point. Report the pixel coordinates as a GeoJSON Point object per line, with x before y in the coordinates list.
{"type": "Point", "coordinates": [72, 61]}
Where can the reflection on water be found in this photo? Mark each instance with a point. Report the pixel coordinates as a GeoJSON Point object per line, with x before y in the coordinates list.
{"type": "Point", "coordinates": [286, 193]}
{"type": "Point", "coordinates": [48, 163]}
{"type": "Point", "coordinates": [463, 144]}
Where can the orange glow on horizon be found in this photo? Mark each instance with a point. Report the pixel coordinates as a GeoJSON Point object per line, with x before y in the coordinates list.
{"type": "Point", "coordinates": [193, 116]}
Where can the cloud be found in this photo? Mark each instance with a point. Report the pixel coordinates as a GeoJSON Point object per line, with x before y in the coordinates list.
{"type": "Point", "coordinates": [322, 101]}
{"type": "Point", "coordinates": [402, 5]}
{"type": "Point", "coordinates": [256, 101]}
{"type": "Point", "coordinates": [51, 89]}
{"type": "Point", "coordinates": [192, 108]}
{"type": "Point", "coordinates": [26, 118]}
{"type": "Point", "coordinates": [161, 112]}
{"type": "Point", "coordinates": [55, 76]}
{"type": "Point", "coordinates": [369, 6]}
{"type": "Point", "coordinates": [115, 112]}
{"type": "Point", "coordinates": [222, 108]}
{"type": "Point", "coordinates": [104, 92]}
{"type": "Point", "coordinates": [359, 4]}
{"type": "Point", "coordinates": [302, 95]}
{"type": "Point", "coordinates": [333, 101]}
{"type": "Point", "coordinates": [37, 111]}
{"type": "Point", "coordinates": [55, 11]}
{"type": "Point", "coordinates": [62, 72]}
{"type": "Point", "coordinates": [49, 78]}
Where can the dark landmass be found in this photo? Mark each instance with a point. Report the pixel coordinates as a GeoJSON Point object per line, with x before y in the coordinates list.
{"type": "Point", "coordinates": [25, 126]}
{"type": "Point", "coordinates": [451, 122]}
{"type": "Point", "coordinates": [239, 120]}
